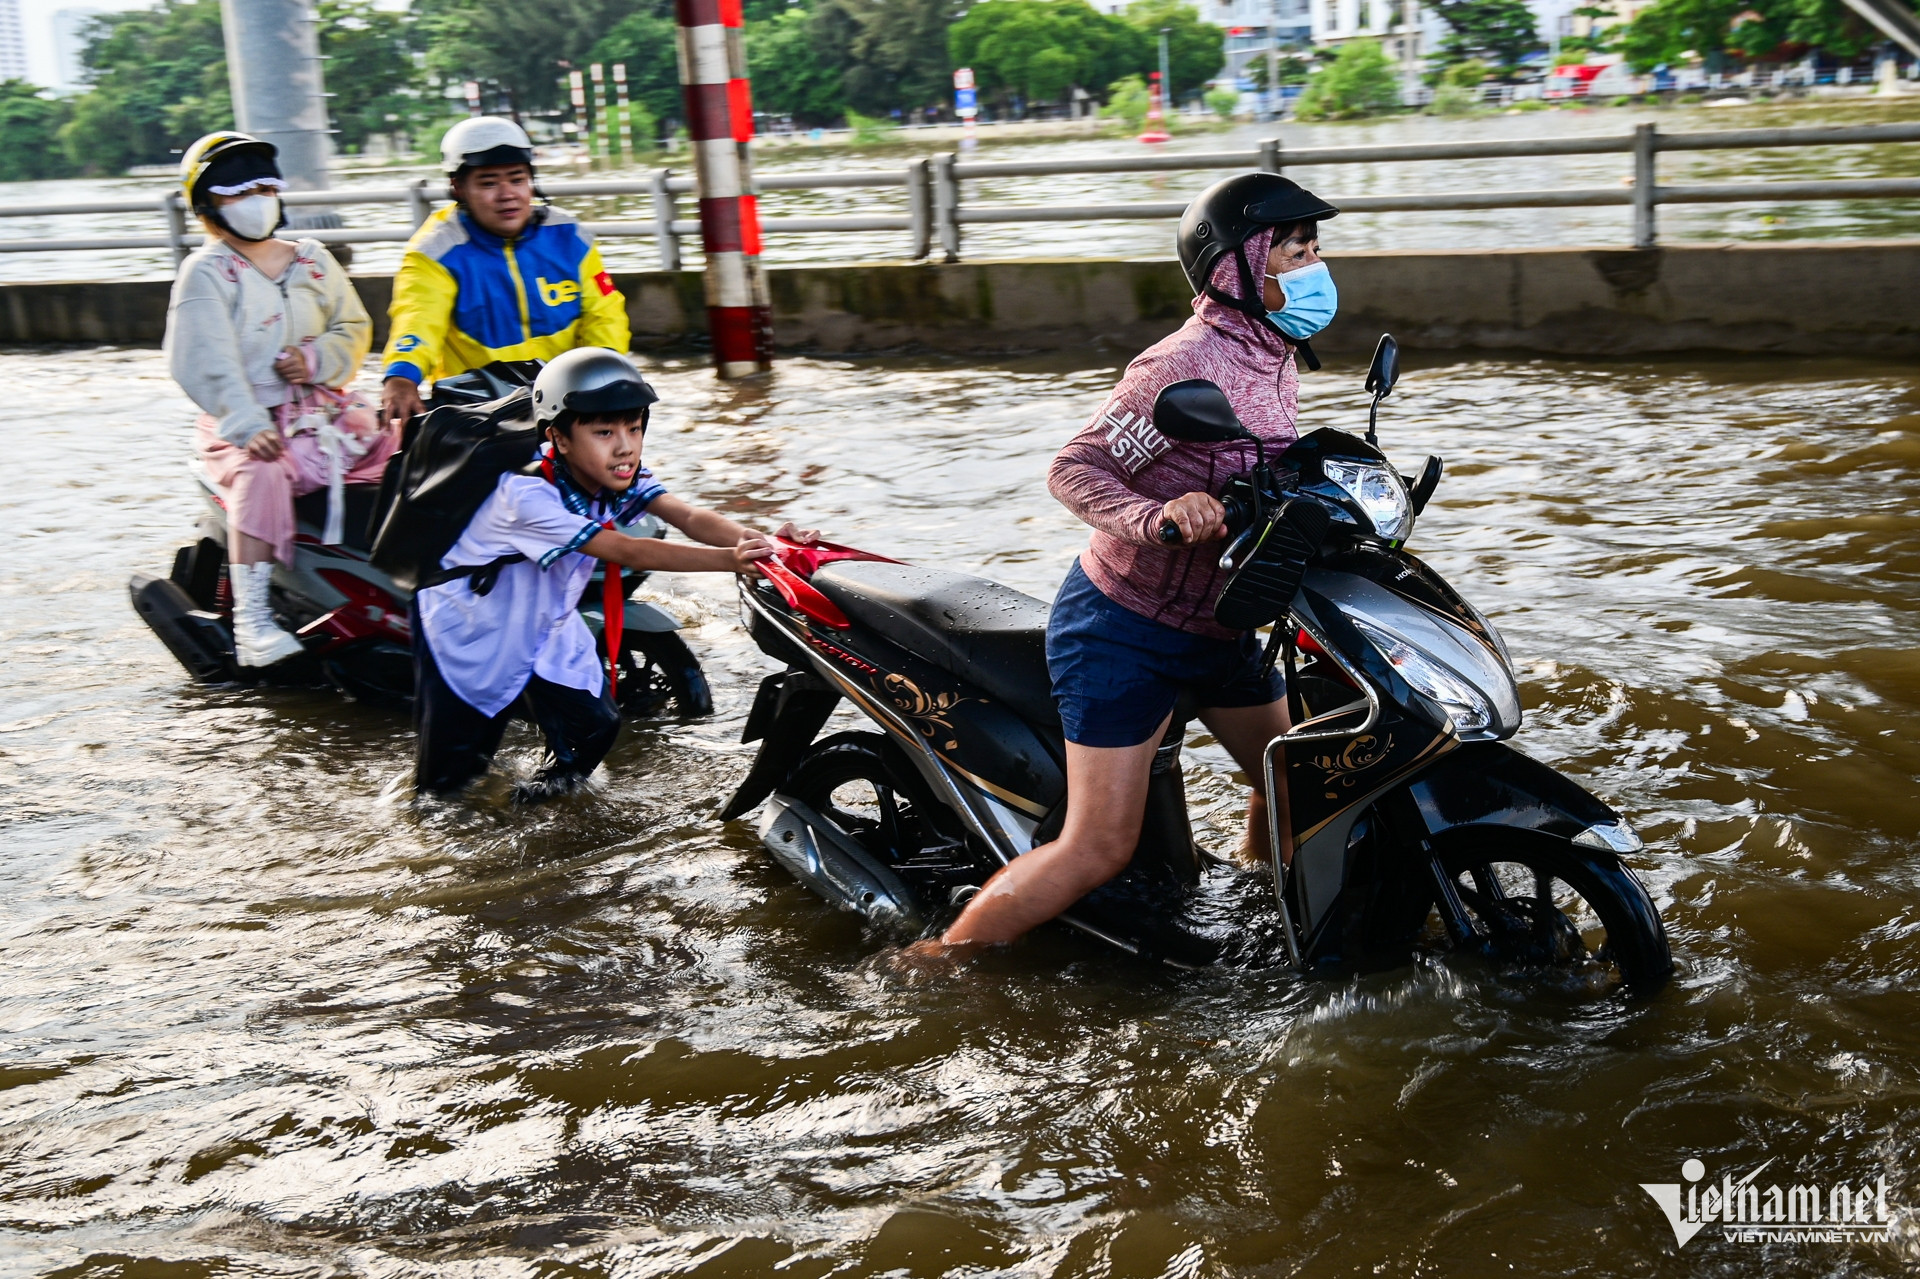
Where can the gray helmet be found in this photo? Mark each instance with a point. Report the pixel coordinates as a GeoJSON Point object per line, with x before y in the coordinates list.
{"type": "Point", "coordinates": [589, 379]}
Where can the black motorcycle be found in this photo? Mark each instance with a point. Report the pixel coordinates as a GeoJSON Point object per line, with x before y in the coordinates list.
{"type": "Point", "coordinates": [1415, 826]}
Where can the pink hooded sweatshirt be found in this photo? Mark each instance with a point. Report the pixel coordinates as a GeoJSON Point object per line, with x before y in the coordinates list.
{"type": "Point", "coordinates": [1118, 472]}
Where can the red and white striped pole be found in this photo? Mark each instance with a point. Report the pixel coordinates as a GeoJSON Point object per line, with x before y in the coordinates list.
{"type": "Point", "coordinates": [713, 83]}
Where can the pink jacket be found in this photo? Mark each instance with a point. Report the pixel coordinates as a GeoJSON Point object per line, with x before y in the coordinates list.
{"type": "Point", "coordinates": [1118, 472]}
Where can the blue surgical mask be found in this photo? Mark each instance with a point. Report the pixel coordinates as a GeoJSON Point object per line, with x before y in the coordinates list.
{"type": "Point", "coordinates": [1311, 301]}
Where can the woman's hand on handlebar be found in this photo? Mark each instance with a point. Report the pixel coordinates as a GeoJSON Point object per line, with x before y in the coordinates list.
{"type": "Point", "coordinates": [1198, 516]}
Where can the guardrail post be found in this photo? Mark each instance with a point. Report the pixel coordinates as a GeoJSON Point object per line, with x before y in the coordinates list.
{"type": "Point", "coordinates": [920, 233]}
{"type": "Point", "coordinates": [1645, 193]}
{"type": "Point", "coordinates": [1270, 155]}
{"type": "Point", "coordinates": [665, 240]}
{"type": "Point", "coordinates": [946, 205]}
{"type": "Point", "coordinates": [176, 213]}
{"type": "Point", "coordinates": [419, 202]}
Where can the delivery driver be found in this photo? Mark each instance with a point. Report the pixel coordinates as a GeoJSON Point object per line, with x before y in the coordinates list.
{"type": "Point", "coordinates": [496, 276]}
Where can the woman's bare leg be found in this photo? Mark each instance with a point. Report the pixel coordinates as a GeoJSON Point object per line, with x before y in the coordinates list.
{"type": "Point", "coordinates": [1245, 732]}
{"type": "Point", "coordinates": [1108, 790]}
{"type": "Point", "coordinates": [243, 548]}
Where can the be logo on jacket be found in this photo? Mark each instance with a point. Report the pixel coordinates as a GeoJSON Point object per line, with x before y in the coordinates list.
{"type": "Point", "coordinates": [465, 297]}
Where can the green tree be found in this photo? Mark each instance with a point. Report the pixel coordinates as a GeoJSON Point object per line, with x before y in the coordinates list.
{"type": "Point", "coordinates": [369, 69]}
{"type": "Point", "coordinates": [1498, 32]}
{"type": "Point", "coordinates": [892, 53]}
{"type": "Point", "coordinates": [1040, 49]}
{"type": "Point", "coordinates": [1720, 32]}
{"type": "Point", "coordinates": [645, 43]}
{"type": "Point", "coordinates": [29, 134]}
{"type": "Point", "coordinates": [1127, 101]}
{"type": "Point", "coordinates": [525, 47]}
{"type": "Point", "coordinates": [1294, 69]}
{"type": "Point", "coordinates": [1359, 81]}
{"type": "Point", "coordinates": [1196, 50]}
{"type": "Point", "coordinates": [1600, 37]}
{"type": "Point", "coordinates": [789, 76]}
{"type": "Point", "coordinates": [158, 80]}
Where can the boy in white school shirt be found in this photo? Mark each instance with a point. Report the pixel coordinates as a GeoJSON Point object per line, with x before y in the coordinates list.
{"type": "Point", "coordinates": [501, 622]}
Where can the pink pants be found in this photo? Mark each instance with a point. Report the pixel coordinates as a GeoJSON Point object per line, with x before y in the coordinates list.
{"type": "Point", "coordinates": [259, 495]}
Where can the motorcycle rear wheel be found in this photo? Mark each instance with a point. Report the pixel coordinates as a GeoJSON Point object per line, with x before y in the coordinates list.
{"type": "Point", "coordinates": [1546, 910]}
{"type": "Point", "coordinates": [857, 781]}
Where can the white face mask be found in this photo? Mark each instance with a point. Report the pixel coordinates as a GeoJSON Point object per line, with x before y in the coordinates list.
{"type": "Point", "coordinates": [253, 218]}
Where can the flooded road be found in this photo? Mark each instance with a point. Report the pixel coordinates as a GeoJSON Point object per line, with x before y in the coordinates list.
{"type": "Point", "coordinates": [266, 1014]}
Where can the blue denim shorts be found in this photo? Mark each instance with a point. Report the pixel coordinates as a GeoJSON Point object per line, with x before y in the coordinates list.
{"type": "Point", "coordinates": [1116, 674]}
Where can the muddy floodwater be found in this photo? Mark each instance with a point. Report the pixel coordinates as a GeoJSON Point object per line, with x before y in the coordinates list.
{"type": "Point", "coordinates": [263, 1013]}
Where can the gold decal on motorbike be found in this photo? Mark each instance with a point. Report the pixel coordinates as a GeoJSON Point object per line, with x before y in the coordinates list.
{"type": "Point", "coordinates": [1344, 769]}
{"type": "Point", "coordinates": [929, 713]}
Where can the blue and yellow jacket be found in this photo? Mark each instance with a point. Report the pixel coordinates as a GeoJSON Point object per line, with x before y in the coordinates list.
{"type": "Point", "coordinates": [465, 297]}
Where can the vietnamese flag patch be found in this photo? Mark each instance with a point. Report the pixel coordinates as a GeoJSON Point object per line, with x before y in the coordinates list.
{"type": "Point", "coordinates": [605, 282]}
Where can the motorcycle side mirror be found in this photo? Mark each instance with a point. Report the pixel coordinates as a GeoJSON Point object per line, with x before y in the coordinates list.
{"type": "Point", "coordinates": [1381, 375]}
{"type": "Point", "coordinates": [1423, 487]}
{"type": "Point", "coordinates": [1385, 369]}
{"type": "Point", "coordinates": [1197, 411]}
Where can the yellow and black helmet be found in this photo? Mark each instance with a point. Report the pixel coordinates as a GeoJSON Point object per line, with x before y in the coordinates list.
{"type": "Point", "coordinates": [225, 163]}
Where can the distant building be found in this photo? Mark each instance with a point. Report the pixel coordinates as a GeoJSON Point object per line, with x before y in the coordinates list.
{"type": "Point", "coordinates": [1621, 13]}
{"type": "Point", "coordinates": [1409, 32]}
{"type": "Point", "coordinates": [70, 45]}
{"type": "Point", "coordinates": [13, 42]}
{"type": "Point", "coordinates": [1251, 25]}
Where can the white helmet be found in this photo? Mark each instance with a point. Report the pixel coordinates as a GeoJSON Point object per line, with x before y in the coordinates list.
{"type": "Point", "coordinates": [484, 140]}
{"type": "Point", "coordinates": [589, 379]}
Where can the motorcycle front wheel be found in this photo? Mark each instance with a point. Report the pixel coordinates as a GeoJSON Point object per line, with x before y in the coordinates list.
{"type": "Point", "coordinates": [1537, 907]}
{"type": "Point", "coordinates": [658, 670]}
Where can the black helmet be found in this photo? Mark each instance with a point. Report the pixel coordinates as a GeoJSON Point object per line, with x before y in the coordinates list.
{"type": "Point", "coordinates": [1226, 214]}
{"type": "Point", "coordinates": [589, 379]}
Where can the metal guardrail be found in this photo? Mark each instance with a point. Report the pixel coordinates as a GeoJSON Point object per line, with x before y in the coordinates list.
{"type": "Point", "coordinates": [936, 211]}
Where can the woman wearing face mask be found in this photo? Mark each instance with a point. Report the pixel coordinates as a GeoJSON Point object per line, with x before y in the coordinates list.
{"type": "Point", "coordinates": [261, 333]}
{"type": "Point", "coordinates": [1133, 624]}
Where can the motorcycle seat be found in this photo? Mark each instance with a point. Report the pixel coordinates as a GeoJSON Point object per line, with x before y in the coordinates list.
{"type": "Point", "coordinates": [310, 511]}
{"type": "Point", "coordinates": [990, 635]}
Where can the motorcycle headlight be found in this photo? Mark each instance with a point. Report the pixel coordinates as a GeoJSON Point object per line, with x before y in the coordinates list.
{"type": "Point", "coordinates": [1463, 703]}
{"type": "Point", "coordinates": [1378, 492]}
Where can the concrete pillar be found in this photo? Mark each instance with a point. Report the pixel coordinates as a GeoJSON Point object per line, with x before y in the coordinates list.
{"type": "Point", "coordinates": [713, 84]}
{"type": "Point", "coordinates": [279, 96]}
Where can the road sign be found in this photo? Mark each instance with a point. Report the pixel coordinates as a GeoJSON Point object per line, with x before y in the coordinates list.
{"type": "Point", "coordinates": [966, 100]}
{"type": "Point", "coordinates": [963, 78]}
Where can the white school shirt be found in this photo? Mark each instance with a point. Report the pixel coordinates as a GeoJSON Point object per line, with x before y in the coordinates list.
{"type": "Point", "coordinates": [488, 646]}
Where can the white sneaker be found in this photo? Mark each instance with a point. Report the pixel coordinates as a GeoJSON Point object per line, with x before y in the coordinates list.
{"type": "Point", "coordinates": [257, 638]}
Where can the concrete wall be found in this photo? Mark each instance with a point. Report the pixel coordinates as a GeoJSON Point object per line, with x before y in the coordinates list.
{"type": "Point", "coordinates": [1842, 298]}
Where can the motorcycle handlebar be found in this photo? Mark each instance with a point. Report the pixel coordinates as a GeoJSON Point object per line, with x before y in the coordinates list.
{"type": "Point", "coordinates": [1239, 515]}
